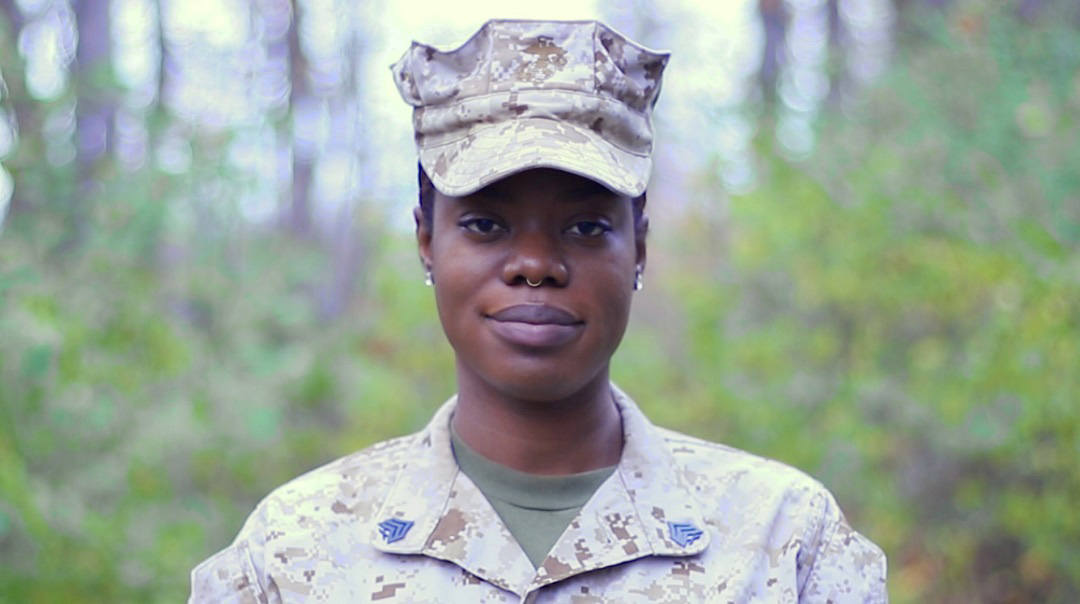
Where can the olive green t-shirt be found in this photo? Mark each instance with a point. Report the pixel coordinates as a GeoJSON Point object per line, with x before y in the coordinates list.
{"type": "Point", "coordinates": [535, 508]}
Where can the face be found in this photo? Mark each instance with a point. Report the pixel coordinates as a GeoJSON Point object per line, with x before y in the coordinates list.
{"type": "Point", "coordinates": [533, 279]}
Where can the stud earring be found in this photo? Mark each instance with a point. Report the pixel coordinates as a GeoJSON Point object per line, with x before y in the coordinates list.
{"type": "Point", "coordinates": [428, 281]}
{"type": "Point", "coordinates": [638, 282]}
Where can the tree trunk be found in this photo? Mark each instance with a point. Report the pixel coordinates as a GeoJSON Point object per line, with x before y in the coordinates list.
{"type": "Point", "coordinates": [774, 19]}
{"type": "Point", "coordinates": [838, 49]}
{"type": "Point", "coordinates": [95, 109]}
{"type": "Point", "coordinates": [303, 154]}
{"type": "Point", "coordinates": [95, 105]}
{"type": "Point", "coordinates": [166, 66]}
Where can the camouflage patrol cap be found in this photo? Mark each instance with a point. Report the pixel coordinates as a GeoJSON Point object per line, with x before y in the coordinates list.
{"type": "Point", "coordinates": [572, 95]}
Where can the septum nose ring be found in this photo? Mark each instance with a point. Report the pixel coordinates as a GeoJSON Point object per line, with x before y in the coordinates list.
{"type": "Point", "coordinates": [531, 284]}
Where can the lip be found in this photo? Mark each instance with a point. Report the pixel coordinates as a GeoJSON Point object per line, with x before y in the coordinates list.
{"type": "Point", "coordinates": [535, 314]}
{"type": "Point", "coordinates": [535, 325]}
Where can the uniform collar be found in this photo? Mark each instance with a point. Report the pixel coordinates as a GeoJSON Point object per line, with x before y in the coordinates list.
{"type": "Point", "coordinates": [630, 516]}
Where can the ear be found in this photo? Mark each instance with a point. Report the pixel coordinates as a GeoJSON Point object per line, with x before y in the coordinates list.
{"type": "Point", "coordinates": [640, 231]}
{"type": "Point", "coordinates": [423, 238]}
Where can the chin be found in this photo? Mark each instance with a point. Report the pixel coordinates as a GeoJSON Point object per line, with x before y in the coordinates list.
{"type": "Point", "coordinates": [538, 391]}
{"type": "Point", "coordinates": [542, 385]}
{"type": "Point", "coordinates": [537, 375]}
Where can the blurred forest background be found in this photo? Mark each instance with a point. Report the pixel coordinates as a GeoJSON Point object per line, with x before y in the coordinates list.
{"type": "Point", "coordinates": [864, 263]}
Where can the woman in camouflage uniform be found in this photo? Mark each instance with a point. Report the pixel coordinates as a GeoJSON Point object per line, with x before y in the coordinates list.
{"type": "Point", "coordinates": [541, 481]}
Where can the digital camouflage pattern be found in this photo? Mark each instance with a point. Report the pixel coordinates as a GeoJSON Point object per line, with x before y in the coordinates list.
{"type": "Point", "coordinates": [768, 533]}
{"type": "Point", "coordinates": [572, 95]}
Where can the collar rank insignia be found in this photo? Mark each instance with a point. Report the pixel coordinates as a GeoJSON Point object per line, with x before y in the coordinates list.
{"type": "Point", "coordinates": [394, 529]}
{"type": "Point", "coordinates": [683, 533]}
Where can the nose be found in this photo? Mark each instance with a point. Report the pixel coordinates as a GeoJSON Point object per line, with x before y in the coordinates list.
{"type": "Point", "coordinates": [535, 257]}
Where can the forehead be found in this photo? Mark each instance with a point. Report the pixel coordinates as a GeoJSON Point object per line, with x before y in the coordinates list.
{"type": "Point", "coordinates": [543, 183]}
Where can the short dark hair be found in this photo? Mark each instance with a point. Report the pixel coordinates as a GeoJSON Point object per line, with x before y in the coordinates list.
{"type": "Point", "coordinates": [427, 202]}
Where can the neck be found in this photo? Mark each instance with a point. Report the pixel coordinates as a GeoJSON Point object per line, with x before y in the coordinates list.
{"type": "Point", "coordinates": [577, 433]}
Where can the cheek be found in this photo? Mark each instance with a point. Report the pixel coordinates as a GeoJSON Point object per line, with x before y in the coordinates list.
{"type": "Point", "coordinates": [611, 284]}
{"type": "Point", "coordinates": [458, 275]}
{"type": "Point", "coordinates": [617, 307]}
{"type": "Point", "coordinates": [617, 267]}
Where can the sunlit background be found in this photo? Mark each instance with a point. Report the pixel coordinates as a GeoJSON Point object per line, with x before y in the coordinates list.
{"type": "Point", "coordinates": [866, 216]}
{"type": "Point", "coordinates": [229, 67]}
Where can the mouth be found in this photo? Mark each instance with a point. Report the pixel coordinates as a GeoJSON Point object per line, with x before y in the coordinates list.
{"type": "Point", "coordinates": [535, 325]}
{"type": "Point", "coordinates": [535, 314]}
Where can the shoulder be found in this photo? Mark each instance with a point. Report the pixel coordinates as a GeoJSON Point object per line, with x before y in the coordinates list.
{"type": "Point", "coordinates": [346, 492]}
{"type": "Point", "coordinates": [733, 485]}
{"type": "Point", "coordinates": [300, 515]}
{"type": "Point", "coordinates": [706, 466]}
{"type": "Point", "coordinates": [771, 503]}
{"type": "Point", "coordinates": [715, 474]}
{"type": "Point", "coordinates": [350, 487]}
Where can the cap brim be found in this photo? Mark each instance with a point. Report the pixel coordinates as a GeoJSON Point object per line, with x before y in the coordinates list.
{"type": "Point", "coordinates": [492, 153]}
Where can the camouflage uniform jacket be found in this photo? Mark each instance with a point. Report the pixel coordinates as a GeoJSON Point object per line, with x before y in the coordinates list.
{"type": "Point", "coordinates": [680, 520]}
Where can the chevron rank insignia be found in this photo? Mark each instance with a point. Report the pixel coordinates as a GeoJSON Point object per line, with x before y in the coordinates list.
{"type": "Point", "coordinates": [683, 533]}
{"type": "Point", "coordinates": [394, 529]}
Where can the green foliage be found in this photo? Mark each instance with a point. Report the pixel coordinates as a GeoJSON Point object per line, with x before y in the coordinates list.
{"type": "Point", "coordinates": [899, 316]}
{"type": "Point", "coordinates": [908, 309]}
{"type": "Point", "coordinates": [146, 409]}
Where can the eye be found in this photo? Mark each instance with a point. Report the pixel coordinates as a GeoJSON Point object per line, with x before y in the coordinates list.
{"type": "Point", "coordinates": [589, 228]}
{"type": "Point", "coordinates": [481, 226]}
